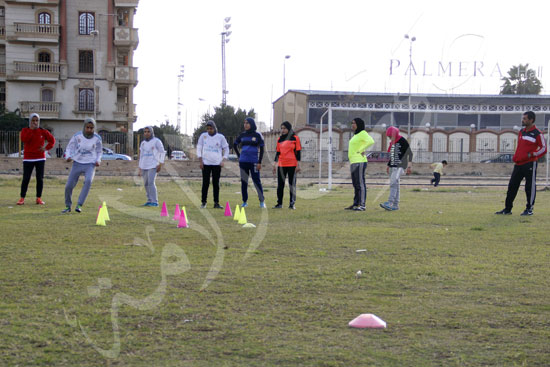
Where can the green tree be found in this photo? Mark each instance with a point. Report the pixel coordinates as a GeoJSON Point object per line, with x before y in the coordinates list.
{"type": "Point", "coordinates": [521, 80]}
{"type": "Point", "coordinates": [11, 121]}
{"type": "Point", "coordinates": [228, 121]}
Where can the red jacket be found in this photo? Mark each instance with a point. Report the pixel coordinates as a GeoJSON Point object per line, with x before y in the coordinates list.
{"type": "Point", "coordinates": [531, 146]}
{"type": "Point", "coordinates": [33, 140]}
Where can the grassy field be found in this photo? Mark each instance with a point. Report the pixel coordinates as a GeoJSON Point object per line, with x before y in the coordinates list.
{"type": "Point", "coordinates": [456, 284]}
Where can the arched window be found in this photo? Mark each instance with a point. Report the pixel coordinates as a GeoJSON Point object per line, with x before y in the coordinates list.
{"type": "Point", "coordinates": [46, 95]}
{"type": "Point", "coordinates": [44, 18]}
{"type": "Point", "coordinates": [86, 23]}
{"type": "Point", "coordinates": [86, 99]}
{"type": "Point", "coordinates": [44, 56]}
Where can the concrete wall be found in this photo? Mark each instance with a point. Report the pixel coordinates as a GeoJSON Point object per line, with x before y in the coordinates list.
{"type": "Point", "coordinates": [57, 166]}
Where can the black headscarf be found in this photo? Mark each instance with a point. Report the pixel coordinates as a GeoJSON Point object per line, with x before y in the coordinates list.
{"type": "Point", "coordinates": [290, 133]}
{"type": "Point", "coordinates": [360, 125]}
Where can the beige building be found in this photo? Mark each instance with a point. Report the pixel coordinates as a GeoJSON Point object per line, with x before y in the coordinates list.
{"type": "Point", "coordinates": [70, 59]}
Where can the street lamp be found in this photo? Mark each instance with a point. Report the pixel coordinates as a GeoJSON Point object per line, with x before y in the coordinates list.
{"type": "Point", "coordinates": [180, 80]}
{"type": "Point", "coordinates": [94, 33]}
{"type": "Point", "coordinates": [284, 73]}
{"type": "Point", "coordinates": [225, 39]}
{"type": "Point", "coordinates": [411, 40]}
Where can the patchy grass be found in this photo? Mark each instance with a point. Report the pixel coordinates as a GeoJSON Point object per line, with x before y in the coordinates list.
{"type": "Point", "coordinates": [457, 285]}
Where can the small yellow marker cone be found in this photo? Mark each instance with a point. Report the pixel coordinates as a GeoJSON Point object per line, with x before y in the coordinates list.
{"type": "Point", "coordinates": [242, 217]}
{"type": "Point", "coordinates": [105, 211]}
{"type": "Point", "coordinates": [237, 213]}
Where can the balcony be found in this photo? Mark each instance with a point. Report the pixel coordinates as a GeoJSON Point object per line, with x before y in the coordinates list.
{"type": "Point", "coordinates": [126, 3]}
{"type": "Point", "coordinates": [126, 75]}
{"type": "Point", "coordinates": [3, 72]}
{"type": "Point", "coordinates": [40, 71]}
{"type": "Point", "coordinates": [33, 32]}
{"type": "Point", "coordinates": [45, 2]}
{"type": "Point", "coordinates": [44, 109]}
{"type": "Point", "coordinates": [121, 110]}
{"type": "Point", "coordinates": [126, 37]}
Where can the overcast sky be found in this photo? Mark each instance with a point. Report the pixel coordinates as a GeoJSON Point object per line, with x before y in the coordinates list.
{"type": "Point", "coordinates": [340, 45]}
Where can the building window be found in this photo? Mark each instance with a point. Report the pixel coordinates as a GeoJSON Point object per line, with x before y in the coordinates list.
{"type": "Point", "coordinates": [44, 57]}
{"type": "Point", "coordinates": [2, 92]}
{"type": "Point", "coordinates": [85, 61]}
{"type": "Point", "coordinates": [86, 23]}
{"type": "Point", "coordinates": [46, 95]}
{"type": "Point", "coordinates": [122, 58]}
{"type": "Point", "coordinates": [86, 99]}
{"type": "Point", "coordinates": [44, 18]}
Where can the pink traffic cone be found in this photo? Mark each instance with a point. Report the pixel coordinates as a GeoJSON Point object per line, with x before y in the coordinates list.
{"type": "Point", "coordinates": [177, 213]}
{"type": "Point", "coordinates": [182, 223]}
{"type": "Point", "coordinates": [368, 320]}
{"type": "Point", "coordinates": [164, 210]}
{"type": "Point", "coordinates": [98, 212]}
{"type": "Point", "coordinates": [228, 210]}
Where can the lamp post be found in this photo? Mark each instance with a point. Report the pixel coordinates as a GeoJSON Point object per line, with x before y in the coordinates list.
{"type": "Point", "coordinates": [225, 39]}
{"type": "Point", "coordinates": [180, 80]}
{"type": "Point", "coordinates": [411, 40]}
{"type": "Point", "coordinates": [94, 33]}
{"type": "Point", "coordinates": [284, 73]}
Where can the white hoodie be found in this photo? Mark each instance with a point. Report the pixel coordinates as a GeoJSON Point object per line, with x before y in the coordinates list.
{"type": "Point", "coordinates": [83, 150]}
{"type": "Point", "coordinates": [151, 153]}
{"type": "Point", "coordinates": [212, 149]}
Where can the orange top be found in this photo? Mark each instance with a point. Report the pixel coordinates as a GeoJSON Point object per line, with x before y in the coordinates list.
{"type": "Point", "coordinates": [287, 150]}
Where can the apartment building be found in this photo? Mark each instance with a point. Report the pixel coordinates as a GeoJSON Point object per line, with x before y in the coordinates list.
{"type": "Point", "coordinates": [70, 59]}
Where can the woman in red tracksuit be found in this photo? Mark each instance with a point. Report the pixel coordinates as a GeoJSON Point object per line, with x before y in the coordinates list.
{"type": "Point", "coordinates": [34, 139]}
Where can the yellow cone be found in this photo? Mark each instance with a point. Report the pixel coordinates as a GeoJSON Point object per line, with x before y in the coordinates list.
{"type": "Point", "coordinates": [100, 219]}
{"type": "Point", "coordinates": [186, 217]}
{"type": "Point", "coordinates": [105, 211]}
{"type": "Point", "coordinates": [237, 213]}
{"type": "Point", "coordinates": [242, 217]}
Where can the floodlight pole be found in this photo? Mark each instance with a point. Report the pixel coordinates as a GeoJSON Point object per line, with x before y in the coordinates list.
{"type": "Point", "coordinates": [330, 148]}
{"type": "Point", "coordinates": [321, 147]}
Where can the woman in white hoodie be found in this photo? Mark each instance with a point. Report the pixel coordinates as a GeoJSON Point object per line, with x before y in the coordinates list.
{"type": "Point", "coordinates": [212, 149]}
{"type": "Point", "coordinates": [151, 158]}
{"type": "Point", "coordinates": [85, 148]}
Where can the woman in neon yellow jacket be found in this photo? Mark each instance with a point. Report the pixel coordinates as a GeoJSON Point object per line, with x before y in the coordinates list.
{"type": "Point", "coordinates": [358, 144]}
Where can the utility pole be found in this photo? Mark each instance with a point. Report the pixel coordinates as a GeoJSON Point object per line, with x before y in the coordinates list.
{"type": "Point", "coordinates": [180, 80]}
{"type": "Point", "coordinates": [225, 39]}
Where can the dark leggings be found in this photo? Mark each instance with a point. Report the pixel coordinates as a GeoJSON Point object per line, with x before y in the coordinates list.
{"type": "Point", "coordinates": [215, 171]}
{"type": "Point", "coordinates": [27, 172]}
{"type": "Point", "coordinates": [281, 176]}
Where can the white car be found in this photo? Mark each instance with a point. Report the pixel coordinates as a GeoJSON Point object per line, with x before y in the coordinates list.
{"type": "Point", "coordinates": [20, 155]}
{"type": "Point", "coordinates": [179, 155]}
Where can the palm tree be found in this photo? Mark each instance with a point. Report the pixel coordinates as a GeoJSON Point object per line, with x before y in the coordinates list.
{"type": "Point", "coordinates": [521, 80]}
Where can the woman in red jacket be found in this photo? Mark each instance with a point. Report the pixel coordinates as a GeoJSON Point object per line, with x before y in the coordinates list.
{"type": "Point", "coordinates": [34, 156]}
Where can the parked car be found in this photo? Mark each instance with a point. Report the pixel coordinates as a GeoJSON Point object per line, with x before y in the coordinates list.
{"type": "Point", "coordinates": [502, 158]}
{"type": "Point", "coordinates": [179, 155]}
{"type": "Point", "coordinates": [378, 156]}
{"type": "Point", "coordinates": [232, 157]}
{"type": "Point", "coordinates": [16, 155]}
{"type": "Point", "coordinates": [109, 155]}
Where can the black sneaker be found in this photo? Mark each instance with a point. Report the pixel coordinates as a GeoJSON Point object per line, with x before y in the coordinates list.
{"type": "Point", "coordinates": [66, 210]}
{"type": "Point", "coordinates": [359, 208]}
{"type": "Point", "coordinates": [278, 206]}
{"type": "Point", "coordinates": [291, 206]}
{"type": "Point", "coordinates": [217, 206]}
{"type": "Point", "coordinates": [78, 209]}
{"type": "Point", "coordinates": [526, 212]}
{"type": "Point", "coordinates": [504, 212]}
{"type": "Point", "coordinates": [203, 206]}
{"type": "Point", "coordinates": [351, 207]}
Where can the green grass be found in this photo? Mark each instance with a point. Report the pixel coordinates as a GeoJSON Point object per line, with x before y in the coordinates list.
{"type": "Point", "coordinates": [457, 285]}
